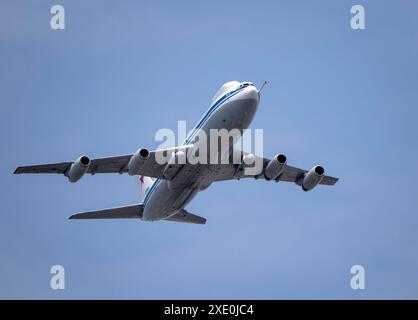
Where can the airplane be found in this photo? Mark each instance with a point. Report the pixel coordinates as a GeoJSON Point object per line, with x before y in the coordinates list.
{"type": "Point", "coordinates": [167, 188]}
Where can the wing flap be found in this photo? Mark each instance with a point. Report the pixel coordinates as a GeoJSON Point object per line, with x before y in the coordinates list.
{"type": "Point", "coordinates": [126, 212]}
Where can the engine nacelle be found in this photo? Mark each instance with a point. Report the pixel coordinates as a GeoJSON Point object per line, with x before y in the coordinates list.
{"type": "Point", "coordinates": [78, 169]}
{"type": "Point", "coordinates": [275, 167]}
{"type": "Point", "coordinates": [312, 178]}
{"type": "Point", "coordinates": [137, 161]}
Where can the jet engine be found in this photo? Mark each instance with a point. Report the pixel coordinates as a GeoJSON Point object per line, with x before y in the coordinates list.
{"type": "Point", "coordinates": [275, 167]}
{"type": "Point", "coordinates": [137, 161]}
{"type": "Point", "coordinates": [78, 169]}
{"type": "Point", "coordinates": [312, 178]}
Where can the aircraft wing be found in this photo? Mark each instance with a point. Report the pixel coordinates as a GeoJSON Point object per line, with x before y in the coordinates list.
{"type": "Point", "coordinates": [293, 174]}
{"type": "Point", "coordinates": [102, 165]}
{"type": "Point", "coordinates": [118, 164]}
{"type": "Point", "coordinates": [152, 168]}
{"type": "Point", "coordinates": [288, 173]}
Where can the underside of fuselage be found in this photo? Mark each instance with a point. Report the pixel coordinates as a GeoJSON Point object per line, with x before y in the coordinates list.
{"type": "Point", "coordinates": [235, 109]}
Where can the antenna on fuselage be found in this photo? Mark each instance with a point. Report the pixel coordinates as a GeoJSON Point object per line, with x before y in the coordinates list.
{"type": "Point", "coordinates": [262, 86]}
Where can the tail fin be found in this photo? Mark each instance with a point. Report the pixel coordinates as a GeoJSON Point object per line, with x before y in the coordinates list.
{"type": "Point", "coordinates": [145, 184]}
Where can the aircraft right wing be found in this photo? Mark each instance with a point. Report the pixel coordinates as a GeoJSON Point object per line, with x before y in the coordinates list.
{"type": "Point", "coordinates": [148, 165]}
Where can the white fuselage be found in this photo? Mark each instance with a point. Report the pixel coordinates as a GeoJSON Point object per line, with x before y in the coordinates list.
{"type": "Point", "coordinates": [233, 107]}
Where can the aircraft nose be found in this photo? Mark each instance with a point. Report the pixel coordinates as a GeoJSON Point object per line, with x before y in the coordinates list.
{"type": "Point", "coordinates": [249, 99]}
{"type": "Point", "coordinates": [251, 93]}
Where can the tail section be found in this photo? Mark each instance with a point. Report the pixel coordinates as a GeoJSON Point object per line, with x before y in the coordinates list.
{"type": "Point", "coordinates": [145, 184]}
{"type": "Point", "coordinates": [127, 212]}
{"type": "Point", "coordinates": [185, 216]}
{"type": "Point", "coordinates": [135, 212]}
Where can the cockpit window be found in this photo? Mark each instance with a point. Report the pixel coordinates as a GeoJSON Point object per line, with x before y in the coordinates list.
{"type": "Point", "coordinates": [246, 84]}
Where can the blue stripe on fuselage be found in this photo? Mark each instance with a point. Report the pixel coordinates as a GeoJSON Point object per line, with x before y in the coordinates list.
{"type": "Point", "coordinates": [193, 133]}
{"type": "Point", "coordinates": [215, 106]}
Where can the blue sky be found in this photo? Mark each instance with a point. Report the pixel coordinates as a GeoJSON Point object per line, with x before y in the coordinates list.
{"type": "Point", "coordinates": [122, 70]}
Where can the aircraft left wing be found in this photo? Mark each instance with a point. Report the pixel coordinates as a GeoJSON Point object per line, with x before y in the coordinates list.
{"type": "Point", "coordinates": [293, 174]}
{"type": "Point", "coordinates": [279, 165]}
{"type": "Point", "coordinates": [146, 164]}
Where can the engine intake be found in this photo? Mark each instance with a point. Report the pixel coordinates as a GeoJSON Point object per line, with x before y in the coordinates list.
{"type": "Point", "coordinates": [275, 167]}
{"type": "Point", "coordinates": [312, 178]}
{"type": "Point", "coordinates": [78, 169]}
{"type": "Point", "coordinates": [137, 161]}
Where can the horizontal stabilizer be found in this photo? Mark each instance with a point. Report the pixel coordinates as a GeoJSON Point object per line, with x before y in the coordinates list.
{"type": "Point", "coordinates": [184, 216]}
{"type": "Point", "coordinates": [127, 212]}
